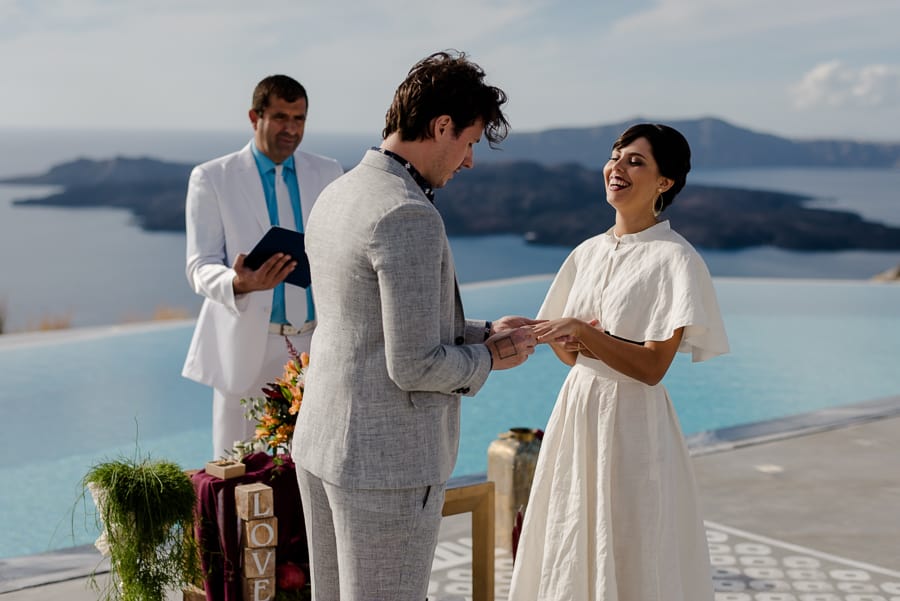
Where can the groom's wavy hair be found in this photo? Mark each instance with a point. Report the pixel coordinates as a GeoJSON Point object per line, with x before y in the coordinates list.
{"type": "Point", "coordinates": [671, 152]}
{"type": "Point", "coordinates": [446, 83]}
{"type": "Point", "coordinates": [281, 86]}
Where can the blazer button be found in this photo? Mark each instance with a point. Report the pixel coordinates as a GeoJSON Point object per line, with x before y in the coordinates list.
{"type": "Point", "coordinates": [459, 340]}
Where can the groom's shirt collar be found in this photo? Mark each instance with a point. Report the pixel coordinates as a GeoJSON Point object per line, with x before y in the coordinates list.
{"type": "Point", "coordinates": [417, 177]}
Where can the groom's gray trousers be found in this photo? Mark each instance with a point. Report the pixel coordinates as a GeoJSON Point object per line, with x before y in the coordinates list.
{"type": "Point", "coordinates": [370, 544]}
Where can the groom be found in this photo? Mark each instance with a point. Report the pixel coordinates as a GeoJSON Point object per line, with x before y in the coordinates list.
{"type": "Point", "coordinates": [378, 432]}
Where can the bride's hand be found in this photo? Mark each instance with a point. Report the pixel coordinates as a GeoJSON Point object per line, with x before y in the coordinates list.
{"type": "Point", "coordinates": [573, 344]}
{"type": "Point", "coordinates": [559, 331]}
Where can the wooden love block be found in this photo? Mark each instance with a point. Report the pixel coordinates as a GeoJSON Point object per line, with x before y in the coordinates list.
{"type": "Point", "coordinates": [254, 501]}
{"type": "Point", "coordinates": [260, 533]}
{"type": "Point", "coordinates": [259, 589]}
{"type": "Point", "coordinates": [259, 562]}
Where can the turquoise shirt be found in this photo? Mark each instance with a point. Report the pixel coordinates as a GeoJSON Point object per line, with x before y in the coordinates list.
{"type": "Point", "coordinates": [266, 167]}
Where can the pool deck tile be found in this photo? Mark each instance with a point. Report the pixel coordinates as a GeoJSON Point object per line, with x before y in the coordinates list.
{"type": "Point", "coordinates": [809, 512]}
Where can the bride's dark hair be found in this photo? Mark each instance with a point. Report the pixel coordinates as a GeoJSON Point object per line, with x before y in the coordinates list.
{"type": "Point", "coordinates": [671, 152]}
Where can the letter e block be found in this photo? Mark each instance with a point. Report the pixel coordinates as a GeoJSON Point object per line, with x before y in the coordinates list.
{"type": "Point", "coordinates": [254, 501]}
{"type": "Point", "coordinates": [259, 589]}
{"type": "Point", "coordinates": [259, 563]}
{"type": "Point", "coordinates": [260, 533]}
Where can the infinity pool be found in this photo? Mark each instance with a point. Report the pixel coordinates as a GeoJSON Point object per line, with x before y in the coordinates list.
{"type": "Point", "coordinates": [74, 398]}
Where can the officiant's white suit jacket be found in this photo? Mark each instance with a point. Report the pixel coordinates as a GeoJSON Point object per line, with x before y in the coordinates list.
{"type": "Point", "coordinates": [392, 351]}
{"type": "Point", "coordinates": [226, 215]}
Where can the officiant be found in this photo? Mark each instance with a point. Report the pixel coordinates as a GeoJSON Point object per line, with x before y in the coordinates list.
{"type": "Point", "coordinates": [238, 344]}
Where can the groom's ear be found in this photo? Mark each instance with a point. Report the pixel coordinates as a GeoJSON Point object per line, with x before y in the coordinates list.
{"type": "Point", "coordinates": [442, 126]}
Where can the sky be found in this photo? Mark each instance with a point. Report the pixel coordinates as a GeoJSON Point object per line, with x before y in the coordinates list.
{"type": "Point", "coordinates": [803, 69]}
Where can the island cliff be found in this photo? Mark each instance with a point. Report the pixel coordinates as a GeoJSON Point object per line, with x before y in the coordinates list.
{"type": "Point", "coordinates": [550, 203]}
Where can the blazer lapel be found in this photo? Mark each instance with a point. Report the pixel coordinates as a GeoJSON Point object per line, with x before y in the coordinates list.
{"type": "Point", "coordinates": [250, 188]}
{"type": "Point", "coordinates": [308, 183]}
{"type": "Point", "coordinates": [458, 311]}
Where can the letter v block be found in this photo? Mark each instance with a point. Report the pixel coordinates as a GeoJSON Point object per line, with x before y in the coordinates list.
{"type": "Point", "coordinates": [259, 563]}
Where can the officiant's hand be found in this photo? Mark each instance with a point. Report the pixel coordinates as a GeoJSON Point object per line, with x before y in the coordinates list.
{"type": "Point", "coordinates": [510, 348]}
{"type": "Point", "coordinates": [271, 273]}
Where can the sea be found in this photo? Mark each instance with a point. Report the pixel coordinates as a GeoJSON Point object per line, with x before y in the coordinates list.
{"type": "Point", "coordinates": [93, 267]}
{"type": "Point", "coordinates": [87, 267]}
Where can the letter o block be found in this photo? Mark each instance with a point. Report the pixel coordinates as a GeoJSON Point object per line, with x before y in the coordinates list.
{"type": "Point", "coordinates": [260, 533]}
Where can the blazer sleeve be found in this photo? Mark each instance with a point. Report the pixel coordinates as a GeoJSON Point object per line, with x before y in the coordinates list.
{"type": "Point", "coordinates": [207, 270]}
{"type": "Point", "coordinates": [406, 253]}
{"type": "Point", "coordinates": [475, 331]}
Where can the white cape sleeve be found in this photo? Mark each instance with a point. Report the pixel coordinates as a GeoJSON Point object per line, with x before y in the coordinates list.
{"type": "Point", "coordinates": [558, 295]}
{"type": "Point", "coordinates": [696, 308]}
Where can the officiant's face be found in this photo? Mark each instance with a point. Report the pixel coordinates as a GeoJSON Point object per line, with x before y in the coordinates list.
{"type": "Point", "coordinates": [279, 129]}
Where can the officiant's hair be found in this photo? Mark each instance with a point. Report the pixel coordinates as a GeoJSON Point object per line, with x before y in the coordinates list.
{"type": "Point", "coordinates": [671, 152]}
{"type": "Point", "coordinates": [281, 86]}
{"type": "Point", "coordinates": [446, 83]}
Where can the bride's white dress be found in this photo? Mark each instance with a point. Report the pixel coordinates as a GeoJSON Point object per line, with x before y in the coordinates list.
{"type": "Point", "coordinates": [613, 513]}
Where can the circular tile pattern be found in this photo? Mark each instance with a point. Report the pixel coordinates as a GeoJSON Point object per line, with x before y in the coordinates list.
{"type": "Point", "coordinates": [752, 549]}
{"type": "Point", "coordinates": [851, 575]}
{"type": "Point", "coordinates": [799, 561]}
{"type": "Point", "coordinates": [745, 567]}
{"type": "Point", "coordinates": [813, 586]}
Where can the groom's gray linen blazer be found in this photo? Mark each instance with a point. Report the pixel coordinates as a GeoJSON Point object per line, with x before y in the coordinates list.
{"type": "Point", "coordinates": [392, 351]}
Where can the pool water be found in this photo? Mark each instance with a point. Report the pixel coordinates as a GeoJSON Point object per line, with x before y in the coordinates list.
{"type": "Point", "coordinates": [74, 399]}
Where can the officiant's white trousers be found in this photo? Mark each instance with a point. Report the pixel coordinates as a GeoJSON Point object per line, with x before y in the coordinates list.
{"type": "Point", "coordinates": [230, 424]}
{"type": "Point", "coordinates": [370, 545]}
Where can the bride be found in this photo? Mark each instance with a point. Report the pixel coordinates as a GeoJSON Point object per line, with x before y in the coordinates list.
{"type": "Point", "coordinates": [613, 512]}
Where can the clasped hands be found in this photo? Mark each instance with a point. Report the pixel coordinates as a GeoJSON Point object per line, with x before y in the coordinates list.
{"type": "Point", "coordinates": [566, 332]}
{"type": "Point", "coordinates": [513, 338]}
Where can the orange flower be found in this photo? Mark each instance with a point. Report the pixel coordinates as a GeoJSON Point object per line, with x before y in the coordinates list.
{"type": "Point", "coordinates": [276, 413]}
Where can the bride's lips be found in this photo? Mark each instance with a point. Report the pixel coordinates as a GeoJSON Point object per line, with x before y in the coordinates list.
{"type": "Point", "coordinates": [616, 183]}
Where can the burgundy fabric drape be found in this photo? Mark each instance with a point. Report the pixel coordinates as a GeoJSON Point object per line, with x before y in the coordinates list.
{"type": "Point", "coordinates": [217, 527]}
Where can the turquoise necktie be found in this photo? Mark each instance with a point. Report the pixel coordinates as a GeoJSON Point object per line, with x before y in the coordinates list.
{"type": "Point", "coordinates": [284, 200]}
{"type": "Point", "coordinates": [279, 210]}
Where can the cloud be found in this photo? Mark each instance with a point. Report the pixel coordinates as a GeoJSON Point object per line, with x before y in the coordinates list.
{"type": "Point", "coordinates": [171, 64]}
{"type": "Point", "coordinates": [835, 84]}
{"type": "Point", "coordinates": [691, 21]}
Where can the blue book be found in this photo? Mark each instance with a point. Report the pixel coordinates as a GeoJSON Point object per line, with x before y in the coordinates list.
{"type": "Point", "coordinates": [281, 240]}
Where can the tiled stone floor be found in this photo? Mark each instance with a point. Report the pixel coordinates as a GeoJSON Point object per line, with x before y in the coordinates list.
{"type": "Point", "coordinates": [836, 488]}
{"type": "Point", "coordinates": [745, 567]}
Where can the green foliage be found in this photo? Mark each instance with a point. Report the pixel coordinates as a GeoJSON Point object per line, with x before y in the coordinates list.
{"type": "Point", "coordinates": [147, 508]}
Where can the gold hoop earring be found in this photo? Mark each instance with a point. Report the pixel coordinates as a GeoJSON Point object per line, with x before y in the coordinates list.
{"type": "Point", "coordinates": [658, 205]}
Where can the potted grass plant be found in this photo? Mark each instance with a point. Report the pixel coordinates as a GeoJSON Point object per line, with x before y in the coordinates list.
{"type": "Point", "coordinates": [146, 509]}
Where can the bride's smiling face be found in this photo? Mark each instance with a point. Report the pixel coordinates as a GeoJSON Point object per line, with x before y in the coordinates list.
{"type": "Point", "coordinates": [632, 178]}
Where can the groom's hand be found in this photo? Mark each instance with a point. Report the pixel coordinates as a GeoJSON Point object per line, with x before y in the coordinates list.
{"type": "Point", "coordinates": [510, 347]}
{"type": "Point", "coordinates": [511, 322]}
